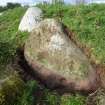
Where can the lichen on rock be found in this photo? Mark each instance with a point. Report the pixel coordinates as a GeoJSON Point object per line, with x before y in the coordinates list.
{"type": "Point", "coordinates": [51, 47]}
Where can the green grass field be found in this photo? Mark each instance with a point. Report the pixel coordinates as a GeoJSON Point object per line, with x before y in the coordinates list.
{"type": "Point", "coordinates": [88, 24]}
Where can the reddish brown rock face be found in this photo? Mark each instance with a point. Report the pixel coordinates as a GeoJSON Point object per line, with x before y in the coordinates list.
{"type": "Point", "coordinates": [50, 47]}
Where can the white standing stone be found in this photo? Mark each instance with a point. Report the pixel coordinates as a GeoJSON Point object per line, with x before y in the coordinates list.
{"type": "Point", "coordinates": [31, 18]}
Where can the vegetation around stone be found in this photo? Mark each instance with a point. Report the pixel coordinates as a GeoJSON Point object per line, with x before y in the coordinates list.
{"type": "Point", "coordinates": [88, 24]}
{"type": "Point", "coordinates": [10, 89]}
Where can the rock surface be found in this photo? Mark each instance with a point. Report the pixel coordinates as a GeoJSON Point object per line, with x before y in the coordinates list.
{"type": "Point", "coordinates": [31, 18]}
{"type": "Point", "coordinates": [51, 47]}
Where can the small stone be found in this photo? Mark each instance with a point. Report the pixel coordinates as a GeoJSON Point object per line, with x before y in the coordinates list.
{"type": "Point", "coordinates": [30, 20]}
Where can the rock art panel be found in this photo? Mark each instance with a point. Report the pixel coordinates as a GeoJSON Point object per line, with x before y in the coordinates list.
{"type": "Point", "coordinates": [51, 47]}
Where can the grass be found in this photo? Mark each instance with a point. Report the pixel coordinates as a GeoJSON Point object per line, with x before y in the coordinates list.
{"type": "Point", "coordinates": [10, 37]}
{"type": "Point", "coordinates": [34, 95]}
{"type": "Point", "coordinates": [88, 24]}
{"type": "Point", "coordinates": [73, 100]}
{"type": "Point", "coordinates": [11, 89]}
{"type": "Point", "coordinates": [10, 40]}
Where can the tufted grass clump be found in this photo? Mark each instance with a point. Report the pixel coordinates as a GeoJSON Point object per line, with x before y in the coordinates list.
{"type": "Point", "coordinates": [10, 89]}
{"type": "Point", "coordinates": [10, 37]}
{"type": "Point", "coordinates": [27, 97]}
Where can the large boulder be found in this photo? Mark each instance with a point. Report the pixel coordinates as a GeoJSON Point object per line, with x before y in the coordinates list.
{"type": "Point", "coordinates": [50, 48]}
{"type": "Point", "coordinates": [31, 18]}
